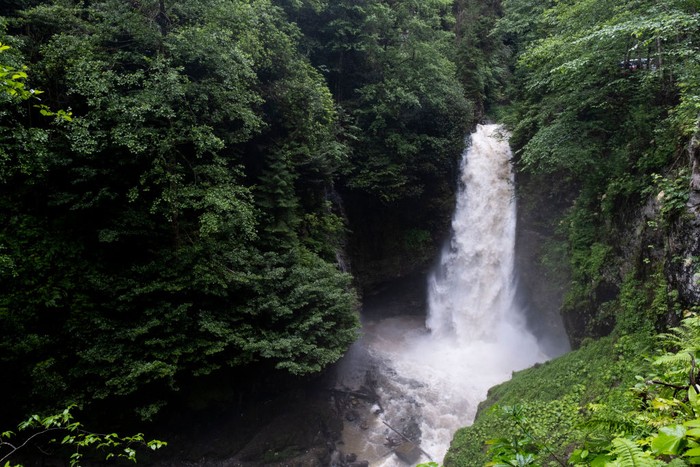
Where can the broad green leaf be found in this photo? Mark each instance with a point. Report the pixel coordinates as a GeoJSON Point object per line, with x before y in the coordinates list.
{"type": "Point", "coordinates": [601, 460]}
{"type": "Point", "coordinates": [692, 452]}
{"type": "Point", "coordinates": [692, 396]}
{"type": "Point", "coordinates": [670, 440]}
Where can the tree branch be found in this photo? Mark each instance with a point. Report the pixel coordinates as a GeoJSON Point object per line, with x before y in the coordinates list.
{"type": "Point", "coordinates": [26, 441]}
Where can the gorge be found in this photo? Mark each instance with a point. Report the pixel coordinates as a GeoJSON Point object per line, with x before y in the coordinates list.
{"type": "Point", "coordinates": [431, 373]}
{"type": "Point", "coordinates": [198, 198]}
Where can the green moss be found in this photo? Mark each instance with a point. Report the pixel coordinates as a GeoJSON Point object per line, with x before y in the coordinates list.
{"type": "Point", "coordinates": [644, 305]}
{"type": "Point", "coordinates": [559, 398]}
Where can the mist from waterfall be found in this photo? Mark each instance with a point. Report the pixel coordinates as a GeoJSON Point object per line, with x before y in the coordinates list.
{"type": "Point", "coordinates": [436, 372]}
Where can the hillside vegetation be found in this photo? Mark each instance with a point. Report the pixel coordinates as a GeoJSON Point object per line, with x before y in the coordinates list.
{"type": "Point", "coordinates": [604, 104]}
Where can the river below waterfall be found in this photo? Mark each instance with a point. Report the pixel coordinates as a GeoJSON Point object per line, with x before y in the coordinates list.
{"type": "Point", "coordinates": [414, 378]}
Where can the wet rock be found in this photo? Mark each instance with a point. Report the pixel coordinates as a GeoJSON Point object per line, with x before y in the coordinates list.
{"type": "Point", "coordinates": [408, 452]}
{"type": "Point", "coordinates": [682, 257]}
{"type": "Point", "coordinates": [411, 430]}
{"type": "Point", "coordinates": [392, 441]}
{"type": "Point", "coordinates": [541, 290]}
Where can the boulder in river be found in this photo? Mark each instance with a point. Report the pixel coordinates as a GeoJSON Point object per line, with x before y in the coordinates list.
{"type": "Point", "coordinates": [408, 452]}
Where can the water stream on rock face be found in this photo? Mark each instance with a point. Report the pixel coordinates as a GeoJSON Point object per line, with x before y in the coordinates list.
{"type": "Point", "coordinates": [429, 375]}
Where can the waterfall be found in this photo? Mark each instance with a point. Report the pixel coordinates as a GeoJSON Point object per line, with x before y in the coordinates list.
{"type": "Point", "coordinates": [433, 374]}
{"type": "Point", "coordinates": [472, 290]}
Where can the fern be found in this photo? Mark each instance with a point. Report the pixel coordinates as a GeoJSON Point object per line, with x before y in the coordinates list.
{"type": "Point", "coordinates": [628, 454]}
{"type": "Point", "coordinates": [685, 338]}
{"type": "Point", "coordinates": [609, 426]}
{"type": "Point", "coordinates": [670, 359]}
{"type": "Point", "coordinates": [677, 463]}
{"type": "Point", "coordinates": [609, 422]}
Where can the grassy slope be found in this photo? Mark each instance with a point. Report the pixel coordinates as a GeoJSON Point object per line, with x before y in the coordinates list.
{"type": "Point", "coordinates": [558, 398]}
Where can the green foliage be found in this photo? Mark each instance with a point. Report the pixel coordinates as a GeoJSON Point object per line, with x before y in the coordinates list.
{"type": "Point", "coordinates": [641, 305]}
{"type": "Point", "coordinates": [671, 194]}
{"type": "Point", "coordinates": [589, 260]}
{"type": "Point", "coordinates": [409, 110]}
{"type": "Point", "coordinates": [602, 97]}
{"type": "Point", "coordinates": [516, 452]}
{"type": "Point", "coordinates": [578, 400]}
{"type": "Point", "coordinates": [390, 67]}
{"type": "Point", "coordinates": [178, 222]}
{"type": "Point", "coordinates": [482, 58]}
{"type": "Point", "coordinates": [23, 149]}
{"type": "Point", "coordinates": [76, 442]}
{"type": "Point", "coordinates": [394, 73]}
{"type": "Point", "coordinates": [12, 80]}
{"type": "Point", "coordinates": [632, 310]}
{"type": "Point", "coordinates": [627, 453]}
{"type": "Point", "coordinates": [13, 86]}
{"type": "Point", "coordinates": [624, 421]}
{"type": "Point", "coordinates": [420, 242]}
{"type": "Point", "coordinates": [684, 343]}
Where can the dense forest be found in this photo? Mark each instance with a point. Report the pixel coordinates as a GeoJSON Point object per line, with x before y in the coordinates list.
{"type": "Point", "coordinates": [200, 189]}
{"type": "Point", "coordinates": [179, 179]}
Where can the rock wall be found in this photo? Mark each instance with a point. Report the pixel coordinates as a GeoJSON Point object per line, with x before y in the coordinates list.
{"type": "Point", "coordinates": [541, 287]}
{"type": "Point", "coordinates": [648, 244]}
{"type": "Point", "coordinates": [389, 242]}
{"type": "Point", "coordinates": [683, 262]}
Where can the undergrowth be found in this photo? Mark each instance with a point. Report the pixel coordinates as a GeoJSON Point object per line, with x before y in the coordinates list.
{"type": "Point", "coordinates": [623, 400]}
{"type": "Point", "coordinates": [558, 403]}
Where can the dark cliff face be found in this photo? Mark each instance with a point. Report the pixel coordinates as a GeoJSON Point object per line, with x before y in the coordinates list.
{"type": "Point", "coordinates": [683, 264]}
{"type": "Point", "coordinates": [683, 258]}
{"type": "Point", "coordinates": [392, 241]}
{"type": "Point", "coordinates": [656, 252]}
{"type": "Point", "coordinates": [541, 286]}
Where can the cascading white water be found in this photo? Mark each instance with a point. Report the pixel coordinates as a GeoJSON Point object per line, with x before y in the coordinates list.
{"type": "Point", "coordinates": [472, 291]}
{"type": "Point", "coordinates": [476, 334]}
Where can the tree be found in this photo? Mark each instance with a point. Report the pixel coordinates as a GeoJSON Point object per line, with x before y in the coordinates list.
{"type": "Point", "coordinates": [140, 239]}
{"type": "Point", "coordinates": [598, 62]}
{"type": "Point", "coordinates": [391, 66]}
{"type": "Point", "coordinates": [602, 101]}
{"type": "Point", "coordinates": [12, 79]}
